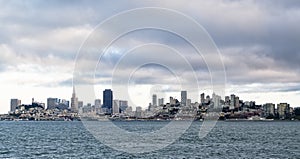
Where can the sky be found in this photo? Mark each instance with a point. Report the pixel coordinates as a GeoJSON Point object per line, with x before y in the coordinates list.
{"type": "Point", "coordinates": [258, 42]}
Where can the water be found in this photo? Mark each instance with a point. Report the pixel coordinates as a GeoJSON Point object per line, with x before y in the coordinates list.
{"type": "Point", "coordinates": [226, 140]}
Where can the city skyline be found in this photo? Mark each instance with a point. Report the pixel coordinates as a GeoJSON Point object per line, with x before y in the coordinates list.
{"type": "Point", "coordinates": [229, 108]}
{"type": "Point", "coordinates": [164, 97]}
{"type": "Point", "coordinates": [258, 41]}
{"type": "Point", "coordinates": [233, 101]}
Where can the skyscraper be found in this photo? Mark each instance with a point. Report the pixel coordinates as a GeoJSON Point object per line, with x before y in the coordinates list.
{"type": "Point", "coordinates": [183, 98]}
{"type": "Point", "coordinates": [51, 103]}
{"type": "Point", "coordinates": [154, 100]}
{"type": "Point", "coordinates": [216, 100]}
{"type": "Point", "coordinates": [107, 100]}
{"type": "Point", "coordinates": [237, 102]}
{"type": "Point", "coordinates": [232, 101]}
{"type": "Point", "coordinates": [74, 101]}
{"type": "Point", "coordinates": [202, 98]}
{"type": "Point", "coordinates": [14, 103]}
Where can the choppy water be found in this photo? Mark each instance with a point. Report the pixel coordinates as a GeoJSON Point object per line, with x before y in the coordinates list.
{"type": "Point", "coordinates": [226, 140]}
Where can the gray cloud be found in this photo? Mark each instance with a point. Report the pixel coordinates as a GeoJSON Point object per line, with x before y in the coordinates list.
{"type": "Point", "coordinates": [259, 40]}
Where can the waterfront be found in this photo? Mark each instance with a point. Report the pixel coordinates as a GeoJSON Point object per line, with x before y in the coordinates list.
{"type": "Point", "coordinates": [59, 139]}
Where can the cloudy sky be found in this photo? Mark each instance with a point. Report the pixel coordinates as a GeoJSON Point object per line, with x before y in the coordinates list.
{"type": "Point", "coordinates": [258, 40]}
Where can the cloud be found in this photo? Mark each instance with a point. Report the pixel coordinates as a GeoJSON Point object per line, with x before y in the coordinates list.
{"type": "Point", "coordinates": [258, 40]}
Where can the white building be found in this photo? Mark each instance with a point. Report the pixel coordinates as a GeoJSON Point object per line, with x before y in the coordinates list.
{"type": "Point", "coordinates": [216, 100]}
{"type": "Point", "coordinates": [74, 101]}
{"type": "Point", "coordinates": [115, 107]}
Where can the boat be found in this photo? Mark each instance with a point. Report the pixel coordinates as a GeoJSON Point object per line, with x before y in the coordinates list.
{"type": "Point", "coordinates": [253, 118]}
{"type": "Point", "coordinates": [257, 118]}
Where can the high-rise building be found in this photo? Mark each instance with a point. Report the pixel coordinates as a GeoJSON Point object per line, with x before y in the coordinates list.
{"type": "Point", "coordinates": [236, 102]}
{"type": "Point", "coordinates": [74, 101]}
{"type": "Point", "coordinates": [232, 101]}
{"type": "Point", "coordinates": [202, 98]}
{"type": "Point", "coordinates": [283, 110]}
{"type": "Point", "coordinates": [107, 100]}
{"type": "Point", "coordinates": [216, 100]}
{"type": "Point", "coordinates": [115, 108]}
{"type": "Point", "coordinates": [268, 110]}
{"type": "Point", "coordinates": [14, 103]}
{"type": "Point", "coordinates": [154, 100]}
{"type": "Point", "coordinates": [161, 101]}
{"type": "Point", "coordinates": [52, 103]}
{"type": "Point", "coordinates": [183, 98]}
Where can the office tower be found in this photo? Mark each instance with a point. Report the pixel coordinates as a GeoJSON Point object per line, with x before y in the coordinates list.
{"type": "Point", "coordinates": [52, 103]}
{"type": "Point", "coordinates": [74, 101]}
{"type": "Point", "coordinates": [115, 108]}
{"type": "Point", "coordinates": [14, 103]}
{"type": "Point", "coordinates": [232, 101]}
{"type": "Point", "coordinates": [97, 103]}
{"type": "Point", "coordinates": [283, 110]}
{"type": "Point", "coordinates": [202, 98]}
{"type": "Point", "coordinates": [123, 105]}
{"type": "Point", "coordinates": [154, 100]}
{"type": "Point", "coordinates": [107, 100]}
{"type": "Point", "coordinates": [161, 101]}
{"type": "Point", "coordinates": [183, 98]}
